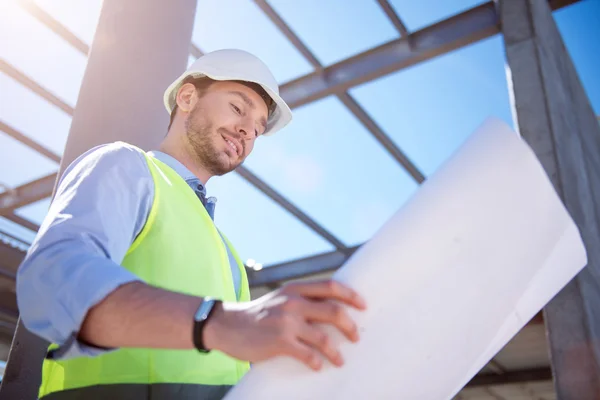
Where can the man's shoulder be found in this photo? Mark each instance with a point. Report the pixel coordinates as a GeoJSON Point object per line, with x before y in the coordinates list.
{"type": "Point", "coordinates": [116, 157]}
{"type": "Point", "coordinates": [117, 152]}
{"type": "Point", "coordinates": [118, 148]}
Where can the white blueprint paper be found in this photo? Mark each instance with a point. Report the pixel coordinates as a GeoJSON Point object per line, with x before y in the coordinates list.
{"type": "Point", "coordinates": [481, 247]}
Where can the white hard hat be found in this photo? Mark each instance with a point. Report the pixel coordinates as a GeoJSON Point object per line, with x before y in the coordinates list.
{"type": "Point", "coordinates": [236, 65]}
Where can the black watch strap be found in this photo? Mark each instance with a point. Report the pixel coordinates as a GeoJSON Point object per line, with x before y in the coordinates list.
{"type": "Point", "coordinates": [202, 315]}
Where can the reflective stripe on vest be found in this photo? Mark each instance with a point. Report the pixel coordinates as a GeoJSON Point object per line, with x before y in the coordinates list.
{"type": "Point", "coordinates": [178, 249]}
{"type": "Point", "coordinates": [129, 391]}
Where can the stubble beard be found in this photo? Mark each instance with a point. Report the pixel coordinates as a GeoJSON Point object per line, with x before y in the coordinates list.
{"type": "Point", "coordinates": [202, 139]}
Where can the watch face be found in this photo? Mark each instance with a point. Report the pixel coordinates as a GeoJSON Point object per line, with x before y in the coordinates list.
{"type": "Point", "coordinates": [202, 315]}
{"type": "Point", "coordinates": [204, 309]}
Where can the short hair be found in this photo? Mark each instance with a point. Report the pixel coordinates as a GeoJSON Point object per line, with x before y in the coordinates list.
{"type": "Point", "coordinates": [203, 83]}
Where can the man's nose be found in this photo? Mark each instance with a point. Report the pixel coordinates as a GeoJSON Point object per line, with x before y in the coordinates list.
{"type": "Point", "coordinates": [246, 129]}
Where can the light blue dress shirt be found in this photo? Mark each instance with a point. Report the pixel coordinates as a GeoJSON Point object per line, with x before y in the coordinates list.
{"type": "Point", "coordinates": [101, 204]}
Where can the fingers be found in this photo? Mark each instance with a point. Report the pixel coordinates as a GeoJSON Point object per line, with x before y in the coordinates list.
{"type": "Point", "coordinates": [331, 313]}
{"type": "Point", "coordinates": [320, 302]}
{"type": "Point", "coordinates": [319, 340]}
{"type": "Point", "coordinates": [329, 289]}
{"type": "Point", "coordinates": [305, 354]}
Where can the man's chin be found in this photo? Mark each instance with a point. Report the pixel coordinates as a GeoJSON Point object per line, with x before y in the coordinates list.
{"type": "Point", "coordinates": [224, 168]}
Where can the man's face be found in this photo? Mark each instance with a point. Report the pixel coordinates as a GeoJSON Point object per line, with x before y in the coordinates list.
{"type": "Point", "coordinates": [223, 124]}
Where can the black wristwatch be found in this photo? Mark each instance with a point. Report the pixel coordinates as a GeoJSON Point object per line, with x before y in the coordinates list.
{"type": "Point", "coordinates": [202, 315]}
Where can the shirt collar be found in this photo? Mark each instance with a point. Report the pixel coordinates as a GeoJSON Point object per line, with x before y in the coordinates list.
{"type": "Point", "coordinates": [178, 167]}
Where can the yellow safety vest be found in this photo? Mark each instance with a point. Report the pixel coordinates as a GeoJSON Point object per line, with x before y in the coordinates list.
{"type": "Point", "coordinates": [178, 249]}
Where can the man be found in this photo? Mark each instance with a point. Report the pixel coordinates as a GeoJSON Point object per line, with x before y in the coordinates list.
{"type": "Point", "coordinates": [129, 278]}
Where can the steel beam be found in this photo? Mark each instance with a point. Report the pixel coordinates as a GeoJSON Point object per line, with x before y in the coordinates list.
{"type": "Point", "coordinates": [289, 33]}
{"type": "Point", "coordinates": [463, 29]}
{"type": "Point", "coordinates": [393, 17]}
{"type": "Point", "coordinates": [26, 194]}
{"type": "Point", "coordinates": [344, 97]}
{"type": "Point", "coordinates": [34, 86]}
{"type": "Point", "coordinates": [32, 191]}
{"type": "Point", "coordinates": [496, 367]}
{"type": "Point", "coordinates": [5, 274]}
{"type": "Point", "coordinates": [453, 33]}
{"type": "Point", "coordinates": [556, 4]}
{"type": "Point", "coordinates": [22, 221]}
{"type": "Point", "coordinates": [54, 25]}
{"type": "Point", "coordinates": [8, 305]}
{"type": "Point", "coordinates": [555, 117]}
{"type": "Point", "coordinates": [195, 51]}
{"type": "Point", "coordinates": [381, 136]}
{"type": "Point", "coordinates": [511, 377]}
{"type": "Point", "coordinates": [10, 259]}
{"type": "Point", "coordinates": [292, 209]}
{"type": "Point", "coordinates": [299, 268]}
{"type": "Point", "coordinates": [46, 19]}
{"type": "Point", "coordinates": [7, 328]}
{"type": "Point", "coordinates": [27, 141]}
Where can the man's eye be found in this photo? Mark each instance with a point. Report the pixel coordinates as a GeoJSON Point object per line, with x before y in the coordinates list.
{"type": "Point", "coordinates": [236, 109]}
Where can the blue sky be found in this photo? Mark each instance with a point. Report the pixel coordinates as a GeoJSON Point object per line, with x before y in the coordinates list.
{"type": "Point", "coordinates": [325, 161]}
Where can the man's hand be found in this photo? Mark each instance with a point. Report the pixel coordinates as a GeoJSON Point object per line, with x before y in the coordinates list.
{"type": "Point", "coordinates": [282, 323]}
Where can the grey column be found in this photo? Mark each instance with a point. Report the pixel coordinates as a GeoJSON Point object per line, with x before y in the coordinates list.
{"type": "Point", "coordinates": [139, 48]}
{"type": "Point", "coordinates": [554, 116]}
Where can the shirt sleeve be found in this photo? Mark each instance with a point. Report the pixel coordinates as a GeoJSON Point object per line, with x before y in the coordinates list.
{"type": "Point", "coordinates": [101, 205]}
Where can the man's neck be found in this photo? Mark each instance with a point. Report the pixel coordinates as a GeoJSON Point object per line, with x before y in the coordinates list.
{"type": "Point", "coordinates": [180, 153]}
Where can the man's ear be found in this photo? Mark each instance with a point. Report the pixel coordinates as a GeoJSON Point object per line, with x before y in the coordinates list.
{"type": "Point", "coordinates": [186, 97]}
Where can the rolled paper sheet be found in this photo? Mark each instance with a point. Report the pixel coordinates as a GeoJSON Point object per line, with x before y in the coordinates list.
{"type": "Point", "coordinates": [478, 250]}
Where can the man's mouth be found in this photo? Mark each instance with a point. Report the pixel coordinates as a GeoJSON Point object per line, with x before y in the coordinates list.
{"type": "Point", "coordinates": [235, 146]}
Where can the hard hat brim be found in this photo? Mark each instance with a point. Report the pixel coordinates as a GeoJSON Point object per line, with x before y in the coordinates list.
{"type": "Point", "coordinates": [279, 118]}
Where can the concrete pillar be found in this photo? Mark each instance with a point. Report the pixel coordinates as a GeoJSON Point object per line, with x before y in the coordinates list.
{"type": "Point", "coordinates": [139, 48]}
{"type": "Point", "coordinates": [554, 116]}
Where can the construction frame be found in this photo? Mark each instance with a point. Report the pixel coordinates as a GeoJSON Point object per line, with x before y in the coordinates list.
{"type": "Point", "coordinates": [567, 146]}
